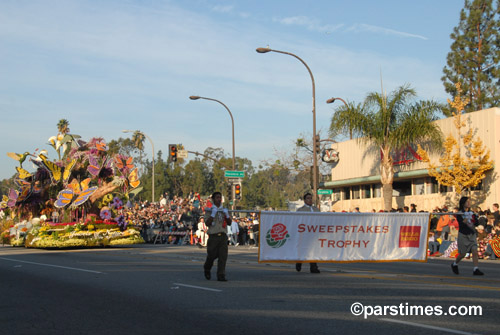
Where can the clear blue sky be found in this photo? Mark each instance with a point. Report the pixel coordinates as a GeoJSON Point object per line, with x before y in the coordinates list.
{"type": "Point", "coordinates": [116, 64]}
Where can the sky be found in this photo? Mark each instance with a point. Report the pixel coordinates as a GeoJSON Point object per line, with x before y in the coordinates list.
{"type": "Point", "coordinates": [110, 65]}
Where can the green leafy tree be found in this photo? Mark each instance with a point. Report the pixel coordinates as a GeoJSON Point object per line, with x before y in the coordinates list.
{"type": "Point", "coordinates": [391, 123]}
{"type": "Point", "coordinates": [345, 119]}
{"type": "Point", "coordinates": [194, 177]}
{"type": "Point", "coordinates": [63, 126]}
{"type": "Point", "coordinates": [475, 55]}
{"type": "Point", "coordinates": [123, 146]}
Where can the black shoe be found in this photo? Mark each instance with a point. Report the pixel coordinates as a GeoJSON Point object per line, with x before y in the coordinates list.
{"type": "Point", "coordinates": [454, 268]}
{"type": "Point", "coordinates": [221, 279]}
{"type": "Point", "coordinates": [315, 270]}
{"type": "Point", "coordinates": [207, 274]}
{"type": "Point", "coordinates": [298, 267]}
{"type": "Point", "coordinates": [478, 272]}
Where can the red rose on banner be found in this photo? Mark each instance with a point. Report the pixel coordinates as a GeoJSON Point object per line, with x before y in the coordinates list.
{"type": "Point", "coordinates": [278, 232]}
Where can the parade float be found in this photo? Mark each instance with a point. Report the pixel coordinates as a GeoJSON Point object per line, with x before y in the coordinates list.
{"type": "Point", "coordinates": [81, 199]}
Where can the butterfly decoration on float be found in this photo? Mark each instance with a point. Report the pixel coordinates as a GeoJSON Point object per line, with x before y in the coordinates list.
{"type": "Point", "coordinates": [22, 173]}
{"type": "Point", "coordinates": [76, 193]}
{"type": "Point", "coordinates": [133, 178]}
{"type": "Point", "coordinates": [58, 173]}
{"type": "Point", "coordinates": [27, 183]}
{"type": "Point", "coordinates": [10, 199]}
{"type": "Point", "coordinates": [94, 167]}
{"type": "Point", "coordinates": [101, 146]}
{"type": "Point", "coordinates": [25, 192]}
{"type": "Point", "coordinates": [123, 163]}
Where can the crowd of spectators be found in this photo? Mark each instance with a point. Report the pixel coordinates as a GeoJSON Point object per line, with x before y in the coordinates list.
{"type": "Point", "coordinates": [444, 232]}
{"type": "Point", "coordinates": [180, 220]}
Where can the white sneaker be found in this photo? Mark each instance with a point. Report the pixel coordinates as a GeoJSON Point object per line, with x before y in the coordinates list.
{"type": "Point", "coordinates": [237, 244]}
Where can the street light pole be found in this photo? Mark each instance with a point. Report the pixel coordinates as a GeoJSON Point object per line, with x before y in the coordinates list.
{"type": "Point", "coordinates": [153, 168]}
{"type": "Point", "coordinates": [331, 101]}
{"type": "Point", "coordinates": [195, 97]}
{"type": "Point", "coordinates": [315, 159]}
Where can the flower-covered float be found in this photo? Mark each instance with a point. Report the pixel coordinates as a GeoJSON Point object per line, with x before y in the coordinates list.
{"type": "Point", "coordinates": [81, 199]}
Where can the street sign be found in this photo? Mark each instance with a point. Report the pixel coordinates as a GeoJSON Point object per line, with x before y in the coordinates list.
{"type": "Point", "coordinates": [325, 192]}
{"type": "Point", "coordinates": [234, 174]}
{"type": "Point", "coordinates": [234, 180]}
{"type": "Point", "coordinates": [182, 154]}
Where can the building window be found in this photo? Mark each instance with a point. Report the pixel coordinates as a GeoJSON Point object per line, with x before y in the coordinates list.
{"type": "Point", "coordinates": [365, 191]}
{"type": "Point", "coordinates": [355, 192]}
{"type": "Point", "coordinates": [419, 186]}
{"type": "Point", "coordinates": [401, 188]}
{"type": "Point", "coordinates": [336, 194]}
{"type": "Point", "coordinates": [346, 193]}
{"type": "Point", "coordinates": [445, 189]}
{"type": "Point", "coordinates": [479, 187]}
{"type": "Point", "coordinates": [377, 191]}
{"type": "Point", "coordinates": [432, 186]}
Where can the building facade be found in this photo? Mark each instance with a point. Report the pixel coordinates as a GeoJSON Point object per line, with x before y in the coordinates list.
{"type": "Point", "coordinates": [356, 182]}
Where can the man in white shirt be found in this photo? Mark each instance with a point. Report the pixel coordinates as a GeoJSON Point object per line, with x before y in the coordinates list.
{"type": "Point", "coordinates": [202, 232]}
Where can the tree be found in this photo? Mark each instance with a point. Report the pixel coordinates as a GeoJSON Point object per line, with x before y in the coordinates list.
{"type": "Point", "coordinates": [391, 123]}
{"type": "Point", "coordinates": [138, 138]}
{"type": "Point", "coordinates": [123, 146]}
{"type": "Point", "coordinates": [475, 54]}
{"type": "Point", "coordinates": [344, 119]}
{"type": "Point", "coordinates": [63, 126]}
{"type": "Point", "coordinates": [458, 168]}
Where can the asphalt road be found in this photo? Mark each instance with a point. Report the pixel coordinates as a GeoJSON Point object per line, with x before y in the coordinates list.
{"type": "Point", "coordinates": [160, 289]}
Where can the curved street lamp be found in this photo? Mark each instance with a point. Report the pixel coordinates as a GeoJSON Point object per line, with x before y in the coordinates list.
{"type": "Point", "coordinates": [315, 159]}
{"type": "Point", "coordinates": [332, 100]}
{"type": "Point", "coordinates": [195, 97]}
{"type": "Point", "coordinates": [153, 170]}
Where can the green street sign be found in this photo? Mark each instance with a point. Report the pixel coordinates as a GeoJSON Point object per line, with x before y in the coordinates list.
{"type": "Point", "coordinates": [325, 191]}
{"type": "Point", "coordinates": [234, 174]}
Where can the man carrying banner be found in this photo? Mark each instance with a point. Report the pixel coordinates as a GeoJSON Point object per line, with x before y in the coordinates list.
{"type": "Point", "coordinates": [308, 207]}
{"type": "Point", "coordinates": [217, 220]}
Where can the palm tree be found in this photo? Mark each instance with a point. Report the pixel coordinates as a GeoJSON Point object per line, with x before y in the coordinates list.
{"type": "Point", "coordinates": [345, 119]}
{"type": "Point", "coordinates": [63, 126]}
{"type": "Point", "coordinates": [138, 138]}
{"type": "Point", "coordinates": [392, 123]}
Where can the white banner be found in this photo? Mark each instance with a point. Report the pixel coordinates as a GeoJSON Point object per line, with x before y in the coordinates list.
{"type": "Point", "coordinates": [343, 237]}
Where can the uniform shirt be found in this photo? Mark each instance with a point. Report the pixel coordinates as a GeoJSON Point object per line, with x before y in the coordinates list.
{"type": "Point", "coordinates": [307, 208]}
{"type": "Point", "coordinates": [217, 224]}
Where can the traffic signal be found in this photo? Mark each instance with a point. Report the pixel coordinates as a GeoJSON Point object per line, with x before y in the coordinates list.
{"type": "Point", "coordinates": [316, 148]}
{"type": "Point", "coordinates": [173, 152]}
{"type": "Point", "coordinates": [230, 191]}
{"type": "Point", "coordinates": [237, 191]}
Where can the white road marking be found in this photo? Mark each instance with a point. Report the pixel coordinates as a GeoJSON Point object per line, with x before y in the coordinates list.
{"type": "Point", "coordinates": [199, 287]}
{"type": "Point", "coordinates": [50, 265]}
{"type": "Point", "coordinates": [448, 330]}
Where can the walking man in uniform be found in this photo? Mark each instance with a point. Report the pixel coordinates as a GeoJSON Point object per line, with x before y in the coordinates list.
{"type": "Point", "coordinates": [217, 220]}
{"type": "Point", "coordinates": [308, 207]}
